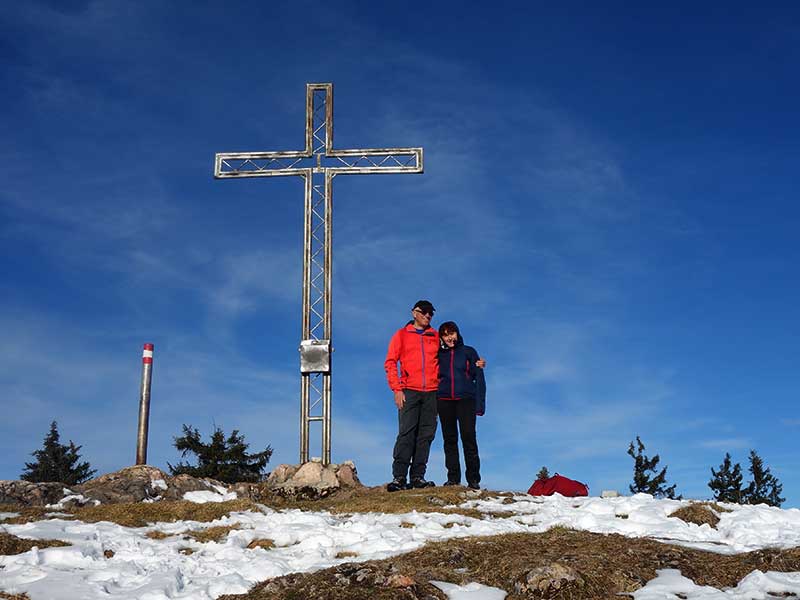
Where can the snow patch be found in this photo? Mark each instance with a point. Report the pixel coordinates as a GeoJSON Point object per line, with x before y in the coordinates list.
{"type": "Point", "coordinates": [471, 591]}
{"type": "Point", "coordinates": [201, 497]}
{"type": "Point", "coordinates": [756, 586]}
{"type": "Point", "coordinates": [142, 567]}
{"type": "Point", "coordinates": [79, 498]}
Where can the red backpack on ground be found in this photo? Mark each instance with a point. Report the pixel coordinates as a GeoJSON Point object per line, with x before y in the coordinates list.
{"type": "Point", "coordinates": [558, 484]}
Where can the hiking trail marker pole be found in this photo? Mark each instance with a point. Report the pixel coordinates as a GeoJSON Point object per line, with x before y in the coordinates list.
{"type": "Point", "coordinates": [144, 404]}
{"type": "Point", "coordinates": [318, 164]}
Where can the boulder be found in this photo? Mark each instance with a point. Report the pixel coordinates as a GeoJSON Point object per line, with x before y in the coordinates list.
{"type": "Point", "coordinates": [548, 581]}
{"type": "Point", "coordinates": [347, 475]}
{"type": "Point", "coordinates": [140, 483]}
{"type": "Point", "coordinates": [281, 474]}
{"type": "Point", "coordinates": [131, 484]}
{"type": "Point", "coordinates": [180, 484]}
{"type": "Point", "coordinates": [311, 480]}
{"type": "Point", "coordinates": [26, 493]}
{"type": "Point", "coordinates": [144, 483]}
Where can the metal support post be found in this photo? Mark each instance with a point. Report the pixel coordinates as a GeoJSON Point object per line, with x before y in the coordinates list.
{"type": "Point", "coordinates": [144, 404]}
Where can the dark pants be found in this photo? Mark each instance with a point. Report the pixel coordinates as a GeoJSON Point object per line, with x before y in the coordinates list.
{"type": "Point", "coordinates": [459, 415]}
{"type": "Point", "coordinates": [417, 426]}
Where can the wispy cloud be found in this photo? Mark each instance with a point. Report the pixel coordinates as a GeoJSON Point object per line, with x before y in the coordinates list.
{"type": "Point", "coordinates": [726, 443]}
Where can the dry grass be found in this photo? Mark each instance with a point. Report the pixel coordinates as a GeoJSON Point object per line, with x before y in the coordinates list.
{"type": "Point", "coordinates": [360, 500]}
{"type": "Point", "coordinates": [11, 544]}
{"type": "Point", "coordinates": [346, 554]}
{"type": "Point", "coordinates": [699, 513]}
{"type": "Point", "coordinates": [602, 567]}
{"type": "Point", "coordinates": [27, 514]}
{"type": "Point", "coordinates": [5, 596]}
{"type": "Point", "coordinates": [211, 534]}
{"type": "Point", "coordinates": [377, 499]}
{"type": "Point", "coordinates": [137, 514]}
{"type": "Point", "coordinates": [264, 543]}
{"type": "Point", "coordinates": [141, 514]}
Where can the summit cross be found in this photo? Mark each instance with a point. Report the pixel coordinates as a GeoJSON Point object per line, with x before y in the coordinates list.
{"type": "Point", "coordinates": [318, 164]}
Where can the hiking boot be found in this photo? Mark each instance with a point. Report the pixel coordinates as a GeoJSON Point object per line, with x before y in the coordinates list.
{"type": "Point", "coordinates": [397, 484]}
{"type": "Point", "coordinates": [474, 485]}
{"type": "Point", "coordinates": [448, 482]}
{"type": "Point", "coordinates": [419, 482]}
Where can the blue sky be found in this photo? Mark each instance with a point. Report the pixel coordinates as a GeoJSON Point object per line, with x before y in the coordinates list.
{"type": "Point", "coordinates": [608, 210]}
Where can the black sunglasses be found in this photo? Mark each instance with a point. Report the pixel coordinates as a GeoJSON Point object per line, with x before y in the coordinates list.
{"type": "Point", "coordinates": [424, 312]}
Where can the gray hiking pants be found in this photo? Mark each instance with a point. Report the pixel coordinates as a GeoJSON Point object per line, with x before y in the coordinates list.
{"type": "Point", "coordinates": [417, 427]}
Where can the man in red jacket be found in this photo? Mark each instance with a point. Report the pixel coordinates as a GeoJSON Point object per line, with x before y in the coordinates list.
{"type": "Point", "coordinates": [416, 348]}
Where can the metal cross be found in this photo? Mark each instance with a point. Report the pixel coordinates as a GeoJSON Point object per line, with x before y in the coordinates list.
{"type": "Point", "coordinates": [325, 163]}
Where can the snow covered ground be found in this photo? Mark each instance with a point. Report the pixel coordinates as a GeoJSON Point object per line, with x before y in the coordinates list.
{"type": "Point", "coordinates": [149, 569]}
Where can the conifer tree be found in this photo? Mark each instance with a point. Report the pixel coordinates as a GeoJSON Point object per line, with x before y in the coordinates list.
{"type": "Point", "coordinates": [764, 488]}
{"type": "Point", "coordinates": [57, 462]}
{"type": "Point", "coordinates": [645, 479]}
{"type": "Point", "coordinates": [543, 474]}
{"type": "Point", "coordinates": [727, 483]}
{"type": "Point", "coordinates": [224, 459]}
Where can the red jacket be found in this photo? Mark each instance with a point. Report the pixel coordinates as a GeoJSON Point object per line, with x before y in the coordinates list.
{"type": "Point", "coordinates": [558, 484]}
{"type": "Point", "coordinates": [418, 354]}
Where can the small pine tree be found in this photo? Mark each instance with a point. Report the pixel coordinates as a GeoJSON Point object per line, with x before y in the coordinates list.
{"type": "Point", "coordinates": [644, 478]}
{"type": "Point", "coordinates": [727, 483]}
{"type": "Point", "coordinates": [57, 462]}
{"type": "Point", "coordinates": [764, 488]}
{"type": "Point", "coordinates": [223, 459]}
{"type": "Point", "coordinates": [543, 474]}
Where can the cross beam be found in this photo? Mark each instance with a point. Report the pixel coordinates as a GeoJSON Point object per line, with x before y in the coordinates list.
{"type": "Point", "coordinates": [317, 164]}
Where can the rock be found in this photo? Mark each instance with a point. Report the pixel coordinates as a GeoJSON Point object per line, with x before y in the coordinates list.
{"type": "Point", "coordinates": [347, 475]}
{"type": "Point", "coordinates": [313, 473]}
{"type": "Point", "coordinates": [471, 494]}
{"type": "Point", "coordinates": [351, 574]}
{"type": "Point", "coordinates": [312, 480]}
{"type": "Point", "coordinates": [546, 581]}
{"type": "Point", "coordinates": [26, 493]}
{"type": "Point", "coordinates": [400, 581]}
{"type": "Point", "coordinates": [281, 474]}
{"type": "Point", "coordinates": [131, 484]}
{"type": "Point", "coordinates": [251, 491]}
{"type": "Point", "coordinates": [143, 483]}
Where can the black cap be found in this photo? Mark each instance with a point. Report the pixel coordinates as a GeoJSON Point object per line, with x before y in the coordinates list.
{"type": "Point", "coordinates": [425, 306]}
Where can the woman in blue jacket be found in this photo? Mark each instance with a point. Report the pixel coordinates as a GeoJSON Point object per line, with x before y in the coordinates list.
{"type": "Point", "coordinates": [460, 398]}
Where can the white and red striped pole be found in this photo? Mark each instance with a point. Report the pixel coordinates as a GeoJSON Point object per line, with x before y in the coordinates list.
{"type": "Point", "coordinates": [144, 404]}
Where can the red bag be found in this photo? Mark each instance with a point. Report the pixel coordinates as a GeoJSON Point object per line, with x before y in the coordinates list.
{"type": "Point", "coordinates": [558, 484]}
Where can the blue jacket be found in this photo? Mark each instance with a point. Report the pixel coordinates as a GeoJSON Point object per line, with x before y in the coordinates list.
{"type": "Point", "coordinates": [459, 377]}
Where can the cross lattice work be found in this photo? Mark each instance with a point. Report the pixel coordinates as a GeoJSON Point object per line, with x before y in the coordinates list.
{"type": "Point", "coordinates": [317, 164]}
